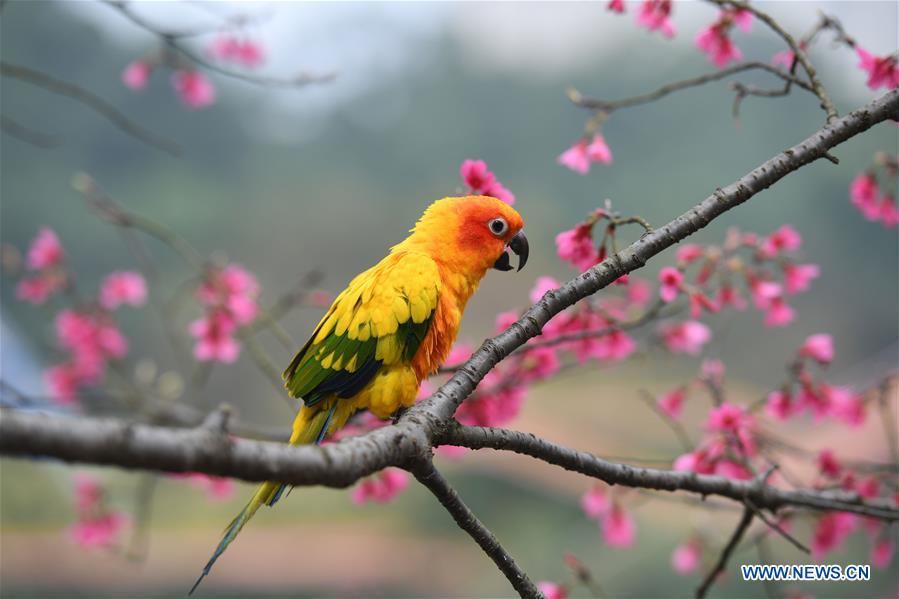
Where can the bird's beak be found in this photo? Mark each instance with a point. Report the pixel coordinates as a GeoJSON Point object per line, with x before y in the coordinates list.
{"type": "Point", "coordinates": [519, 245]}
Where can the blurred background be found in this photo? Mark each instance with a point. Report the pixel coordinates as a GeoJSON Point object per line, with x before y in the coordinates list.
{"type": "Point", "coordinates": [326, 178]}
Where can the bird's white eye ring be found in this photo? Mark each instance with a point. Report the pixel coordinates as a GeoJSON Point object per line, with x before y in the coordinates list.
{"type": "Point", "coordinates": [498, 226]}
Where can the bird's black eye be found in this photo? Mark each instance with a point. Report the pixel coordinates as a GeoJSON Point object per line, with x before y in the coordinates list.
{"type": "Point", "coordinates": [498, 226]}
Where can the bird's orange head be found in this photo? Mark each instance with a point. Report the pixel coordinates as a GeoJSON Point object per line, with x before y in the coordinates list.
{"type": "Point", "coordinates": [470, 234]}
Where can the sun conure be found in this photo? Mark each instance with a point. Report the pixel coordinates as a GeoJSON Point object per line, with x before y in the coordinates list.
{"type": "Point", "coordinates": [393, 325]}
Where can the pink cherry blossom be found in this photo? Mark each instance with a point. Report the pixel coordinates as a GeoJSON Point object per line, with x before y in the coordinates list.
{"type": "Point", "coordinates": [671, 280]}
{"type": "Point", "coordinates": [505, 319]}
{"type": "Point", "coordinates": [230, 48]}
{"type": "Point", "coordinates": [672, 403]}
{"type": "Point", "coordinates": [715, 41]}
{"type": "Point", "coordinates": [779, 405]}
{"type": "Point", "coordinates": [541, 286]}
{"type": "Point", "coordinates": [732, 470]}
{"type": "Point", "coordinates": [45, 251]}
{"type": "Point", "coordinates": [539, 364]}
{"type": "Point", "coordinates": [882, 70]}
{"type": "Point", "coordinates": [685, 558]}
{"type": "Point", "coordinates": [689, 253]}
{"type": "Point", "coordinates": [882, 552]}
{"type": "Point", "coordinates": [88, 492]}
{"type": "Point", "coordinates": [476, 175]}
{"type": "Point", "coordinates": [217, 488]}
{"type": "Point", "coordinates": [889, 215]}
{"type": "Point", "coordinates": [845, 405]}
{"type": "Point", "coordinates": [639, 291]}
{"type": "Point", "coordinates": [552, 590]}
{"type": "Point", "coordinates": [596, 502]}
{"type": "Point", "coordinates": [798, 277]}
{"type": "Point", "coordinates": [480, 180]}
{"type": "Point", "coordinates": [500, 192]}
{"type": "Point", "coordinates": [615, 346]}
{"type": "Point", "coordinates": [819, 348]}
{"type": "Point", "coordinates": [194, 88]}
{"type": "Point", "coordinates": [699, 302]}
{"type": "Point", "coordinates": [618, 528]}
{"type": "Point", "coordinates": [696, 461]}
{"type": "Point", "coordinates": [763, 292]}
{"type": "Point", "coordinates": [712, 370]}
{"type": "Point", "coordinates": [686, 337]}
{"type": "Point", "coordinates": [728, 295]}
{"type": "Point", "coordinates": [136, 75]}
{"type": "Point", "coordinates": [381, 488]}
{"type": "Point", "coordinates": [785, 239]}
{"type": "Point", "coordinates": [37, 289]}
{"type": "Point", "coordinates": [779, 313]}
{"type": "Point", "coordinates": [62, 382]}
{"type": "Point", "coordinates": [215, 340]}
{"type": "Point", "coordinates": [828, 464]}
{"type": "Point", "coordinates": [123, 287]}
{"type": "Point", "coordinates": [616, 6]}
{"type": "Point", "coordinates": [100, 531]}
{"type": "Point", "coordinates": [495, 406]}
{"type": "Point", "coordinates": [863, 192]}
{"type": "Point", "coordinates": [830, 532]}
{"type": "Point", "coordinates": [598, 150]}
{"type": "Point", "coordinates": [784, 57]}
{"type": "Point", "coordinates": [654, 15]}
{"type": "Point", "coordinates": [576, 247]}
{"type": "Point", "coordinates": [729, 418]}
{"type": "Point", "coordinates": [459, 354]}
{"type": "Point", "coordinates": [576, 157]}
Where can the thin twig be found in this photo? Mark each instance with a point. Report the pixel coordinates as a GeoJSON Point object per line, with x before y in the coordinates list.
{"type": "Point", "coordinates": [798, 52]}
{"type": "Point", "coordinates": [92, 101]}
{"type": "Point", "coordinates": [608, 106]}
{"type": "Point", "coordinates": [26, 134]}
{"type": "Point", "coordinates": [720, 566]}
{"type": "Point", "coordinates": [430, 477]}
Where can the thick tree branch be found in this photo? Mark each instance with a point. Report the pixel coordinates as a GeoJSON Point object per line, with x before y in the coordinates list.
{"type": "Point", "coordinates": [427, 475]}
{"type": "Point", "coordinates": [761, 496]}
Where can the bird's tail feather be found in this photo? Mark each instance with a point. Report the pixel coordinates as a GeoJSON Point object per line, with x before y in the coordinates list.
{"type": "Point", "coordinates": [311, 426]}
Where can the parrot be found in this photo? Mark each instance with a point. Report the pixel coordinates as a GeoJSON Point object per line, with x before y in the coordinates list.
{"type": "Point", "coordinates": [393, 326]}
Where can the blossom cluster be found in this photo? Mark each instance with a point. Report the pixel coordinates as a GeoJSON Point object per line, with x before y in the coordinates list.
{"type": "Point", "coordinates": [229, 296]}
{"type": "Point", "coordinates": [191, 85]}
{"type": "Point", "coordinates": [715, 40]}
{"type": "Point", "coordinates": [481, 181]}
{"type": "Point", "coordinates": [87, 332]}
{"type": "Point", "coordinates": [873, 197]}
{"type": "Point", "coordinates": [97, 524]}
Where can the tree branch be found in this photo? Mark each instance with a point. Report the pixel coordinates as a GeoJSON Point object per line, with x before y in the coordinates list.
{"type": "Point", "coordinates": [761, 496]}
{"type": "Point", "coordinates": [92, 101]}
{"type": "Point", "coordinates": [427, 475]}
{"type": "Point", "coordinates": [742, 526]}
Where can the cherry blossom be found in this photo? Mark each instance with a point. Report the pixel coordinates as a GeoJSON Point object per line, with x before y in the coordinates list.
{"type": "Point", "coordinates": [654, 15]}
{"type": "Point", "coordinates": [671, 280]}
{"type": "Point", "coordinates": [136, 75]}
{"type": "Point", "coordinates": [819, 348]}
{"type": "Point", "coordinates": [685, 558]}
{"type": "Point", "coordinates": [45, 251]}
{"type": "Point", "coordinates": [863, 192]}
{"type": "Point", "coordinates": [672, 402]}
{"type": "Point", "coordinates": [618, 527]}
{"type": "Point", "coordinates": [215, 341]}
{"type": "Point", "coordinates": [828, 464]}
{"type": "Point", "coordinates": [123, 287]}
{"type": "Point", "coordinates": [882, 552]}
{"type": "Point", "coordinates": [779, 405]}
{"type": "Point", "coordinates": [686, 337]}
{"type": "Point", "coordinates": [216, 487]}
{"type": "Point", "coordinates": [194, 88]}
{"type": "Point", "coordinates": [230, 48]}
{"type": "Point", "coordinates": [798, 277]}
{"type": "Point", "coordinates": [381, 488]}
{"type": "Point", "coordinates": [784, 239]}
{"type": "Point", "coordinates": [579, 156]}
{"type": "Point", "coordinates": [552, 590]}
{"type": "Point", "coordinates": [715, 40]}
{"type": "Point", "coordinates": [882, 70]}
{"type": "Point", "coordinates": [616, 6]}
{"type": "Point", "coordinates": [576, 247]}
{"type": "Point", "coordinates": [596, 502]}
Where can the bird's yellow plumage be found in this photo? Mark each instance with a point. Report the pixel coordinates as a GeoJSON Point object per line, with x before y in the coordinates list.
{"type": "Point", "coordinates": [393, 325]}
